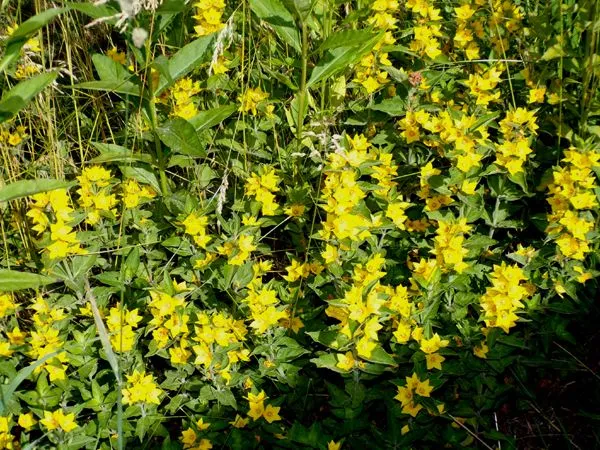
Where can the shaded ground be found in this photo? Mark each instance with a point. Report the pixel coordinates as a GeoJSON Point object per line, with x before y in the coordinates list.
{"type": "Point", "coordinates": [564, 412]}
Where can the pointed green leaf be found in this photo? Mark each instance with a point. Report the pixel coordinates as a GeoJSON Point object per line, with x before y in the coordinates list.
{"type": "Point", "coordinates": [109, 69]}
{"type": "Point", "coordinates": [7, 391]}
{"type": "Point", "coordinates": [20, 95]}
{"type": "Point", "coordinates": [395, 106]}
{"type": "Point", "coordinates": [12, 280]}
{"type": "Point", "coordinates": [340, 58]}
{"type": "Point", "coordinates": [185, 60]}
{"type": "Point", "coordinates": [24, 188]}
{"type": "Point", "coordinates": [94, 11]}
{"type": "Point", "coordinates": [142, 175]}
{"type": "Point", "coordinates": [116, 86]}
{"type": "Point", "coordinates": [20, 36]}
{"type": "Point", "coordinates": [206, 119]}
{"type": "Point", "coordinates": [281, 20]}
{"type": "Point", "coordinates": [181, 137]}
{"type": "Point", "coordinates": [380, 356]}
{"type": "Point", "coordinates": [345, 38]}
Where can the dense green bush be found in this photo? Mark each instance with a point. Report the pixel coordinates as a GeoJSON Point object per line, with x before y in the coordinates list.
{"type": "Point", "coordinates": [290, 223]}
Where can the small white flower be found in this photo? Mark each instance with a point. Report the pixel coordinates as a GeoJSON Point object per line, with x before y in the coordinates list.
{"type": "Point", "coordinates": [139, 36]}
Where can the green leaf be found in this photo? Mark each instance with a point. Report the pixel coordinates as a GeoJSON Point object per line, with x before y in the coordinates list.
{"type": "Point", "coordinates": [21, 94]}
{"type": "Point", "coordinates": [109, 69]}
{"type": "Point", "coordinates": [380, 356]}
{"type": "Point", "coordinates": [7, 391]}
{"type": "Point", "coordinates": [393, 106]}
{"type": "Point", "coordinates": [185, 60]}
{"type": "Point", "coordinates": [556, 51]}
{"type": "Point", "coordinates": [212, 117]}
{"type": "Point", "coordinates": [142, 175]}
{"type": "Point", "coordinates": [114, 152]}
{"type": "Point", "coordinates": [327, 361]}
{"type": "Point", "coordinates": [345, 38]}
{"type": "Point", "coordinates": [20, 36]}
{"type": "Point", "coordinates": [484, 120]}
{"type": "Point", "coordinates": [116, 86]}
{"type": "Point", "coordinates": [181, 137]}
{"type": "Point", "coordinates": [340, 58]}
{"type": "Point", "coordinates": [12, 280]}
{"type": "Point", "coordinates": [24, 188]}
{"type": "Point", "coordinates": [94, 11]}
{"type": "Point", "coordinates": [276, 14]}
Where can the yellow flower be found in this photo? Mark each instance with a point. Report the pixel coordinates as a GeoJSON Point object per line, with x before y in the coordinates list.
{"type": "Point", "coordinates": [395, 211]}
{"type": "Point", "coordinates": [295, 210]}
{"type": "Point", "coordinates": [57, 419]}
{"type": "Point", "coordinates": [188, 438]}
{"type": "Point", "coordinates": [27, 421]}
{"type": "Point", "coordinates": [468, 187]}
{"type": "Point", "coordinates": [332, 445]}
{"type": "Point", "coordinates": [116, 55]}
{"type": "Point", "coordinates": [423, 388]}
{"type": "Point", "coordinates": [346, 361]}
{"type": "Point", "coordinates": [250, 99]}
{"type": "Point", "coordinates": [142, 389]}
{"type": "Point", "coordinates": [256, 410]}
{"type": "Point", "coordinates": [434, 361]}
{"type": "Point", "coordinates": [239, 422]}
{"type": "Point", "coordinates": [481, 350]}
{"type": "Point", "coordinates": [201, 425]}
{"type": "Point", "coordinates": [536, 95]}
{"type": "Point", "coordinates": [271, 413]}
{"type": "Point", "coordinates": [433, 344]}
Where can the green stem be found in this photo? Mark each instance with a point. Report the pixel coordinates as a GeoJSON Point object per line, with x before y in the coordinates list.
{"type": "Point", "coordinates": [302, 91]}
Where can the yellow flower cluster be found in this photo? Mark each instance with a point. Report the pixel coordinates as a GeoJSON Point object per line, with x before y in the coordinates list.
{"type": "Point", "coordinates": [433, 202]}
{"type": "Point", "coordinates": [14, 137]}
{"type": "Point", "coordinates": [238, 251]}
{"type": "Point", "coordinates": [572, 193]}
{"type": "Point", "coordinates": [195, 225]}
{"type": "Point", "coordinates": [121, 324]}
{"type": "Point", "coordinates": [513, 152]}
{"type": "Point", "coordinates": [367, 70]}
{"type": "Point", "coordinates": [95, 194]}
{"type": "Point", "coordinates": [353, 308]}
{"type": "Point", "coordinates": [208, 16]}
{"type": "Point", "coordinates": [15, 337]}
{"type": "Point", "coordinates": [298, 270]}
{"type": "Point", "coordinates": [343, 194]}
{"type": "Point", "coordinates": [133, 194]}
{"type": "Point", "coordinates": [189, 438]}
{"type": "Point", "coordinates": [141, 389]}
{"type": "Point", "coordinates": [384, 174]}
{"type": "Point", "coordinates": [257, 408]}
{"type": "Point", "coordinates": [503, 299]}
{"type": "Point", "coordinates": [182, 95]}
{"type": "Point", "coordinates": [59, 420]}
{"type": "Point", "coordinates": [168, 318]}
{"type": "Point", "coordinates": [262, 188]}
{"type": "Point", "coordinates": [64, 239]}
{"type": "Point", "coordinates": [483, 86]}
{"type": "Point", "coordinates": [45, 339]}
{"type": "Point", "coordinates": [426, 35]}
{"type": "Point", "coordinates": [251, 99]}
{"type": "Point", "coordinates": [406, 394]}
{"type": "Point", "coordinates": [449, 240]}
{"type": "Point", "coordinates": [463, 38]}
{"type": "Point", "coordinates": [7, 440]}
{"type": "Point", "coordinates": [213, 333]}
{"type": "Point", "coordinates": [265, 308]}
{"type": "Point", "coordinates": [26, 67]}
